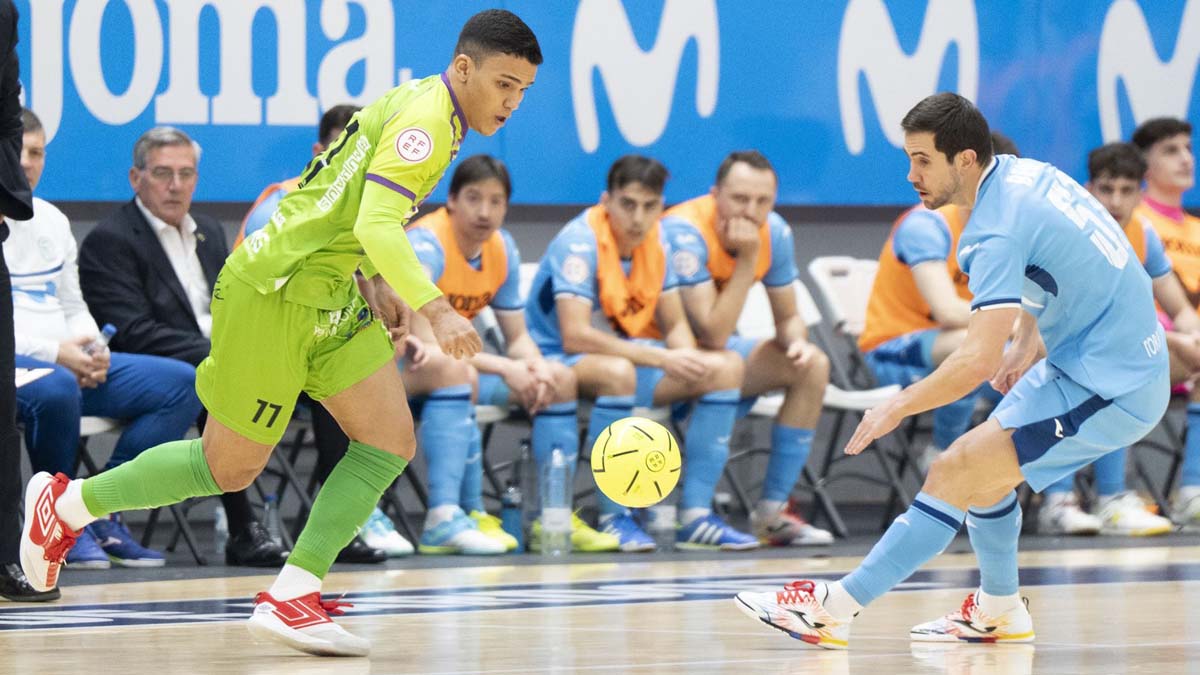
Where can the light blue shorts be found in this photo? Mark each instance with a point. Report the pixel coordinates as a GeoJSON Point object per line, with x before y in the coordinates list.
{"type": "Point", "coordinates": [905, 359]}
{"type": "Point", "coordinates": [743, 346]}
{"type": "Point", "coordinates": [647, 377]}
{"type": "Point", "coordinates": [1062, 426]}
{"type": "Point", "coordinates": [492, 390]}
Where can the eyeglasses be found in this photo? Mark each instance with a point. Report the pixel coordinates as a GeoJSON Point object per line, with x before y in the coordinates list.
{"type": "Point", "coordinates": [162, 174]}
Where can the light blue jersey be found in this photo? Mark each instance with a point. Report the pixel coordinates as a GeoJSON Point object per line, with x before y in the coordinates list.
{"type": "Point", "coordinates": [1037, 240]}
{"type": "Point", "coordinates": [922, 236]}
{"type": "Point", "coordinates": [261, 215]}
{"type": "Point", "coordinates": [1157, 264]}
{"type": "Point", "coordinates": [433, 258]}
{"type": "Point", "coordinates": [689, 252]}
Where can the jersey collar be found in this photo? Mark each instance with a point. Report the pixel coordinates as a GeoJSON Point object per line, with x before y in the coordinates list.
{"type": "Point", "coordinates": [458, 112]}
{"type": "Point", "coordinates": [987, 173]}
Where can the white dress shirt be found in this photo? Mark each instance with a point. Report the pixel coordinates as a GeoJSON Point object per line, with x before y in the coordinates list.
{"type": "Point", "coordinates": [179, 243]}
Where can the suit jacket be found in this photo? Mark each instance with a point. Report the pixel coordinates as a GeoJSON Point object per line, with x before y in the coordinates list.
{"type": "Point", "coordinates": [128, 281]}
{"type": "Point", "coordinates": [16, 202]}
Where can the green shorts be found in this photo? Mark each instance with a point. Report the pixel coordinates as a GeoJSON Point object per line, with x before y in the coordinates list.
{"type": "Point", "coordinates": [266, 350]}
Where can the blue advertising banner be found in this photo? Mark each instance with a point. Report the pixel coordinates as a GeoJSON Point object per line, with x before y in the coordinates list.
{"type": "Point", "coordinates": [820, 87]}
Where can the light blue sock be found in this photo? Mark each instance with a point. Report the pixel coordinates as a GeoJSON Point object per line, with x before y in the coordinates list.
{"type": "Point", "coordinates": [952, 420]}
{"type": "Point", "coordinates": [556, 427]}
{"type": "Point", "coordinates": [706, 447]}
{"type": "Point", "coordinates": [445, 435]}
{"type": "Point", "coordinates": [605, 411]}
{"type": "Point", "coordinates": [1191, 449]}
{"type": "Point", "coordinates": [1110, 473]}
{"type": "Point", "coordinates": [789, 452]}
{"type": "Point", "coordinates": [1061, 486]}
{"type": "Point", "coordinates": [994, 531]}
{"type": "Point", "coordinates": [916, 536]}
{"type": "Point", "coordinates": [471, 496]}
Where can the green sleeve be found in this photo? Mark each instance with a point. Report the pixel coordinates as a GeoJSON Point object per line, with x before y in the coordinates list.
{"type": "Point", "coordinates": [380, 229]}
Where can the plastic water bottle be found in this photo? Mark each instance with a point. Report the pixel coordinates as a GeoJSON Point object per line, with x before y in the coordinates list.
{"type": "Point", "coordinates": [511, 517]}
{"type": "Point", "coordinates": [271, 519]}
{"type": "Point", "coordinates": [556, 505]}
{"type": "Point", "coordinates": [220, 530]}
{"type": "Point", "coordinates": [100, 344]}
{"type": "Point", "coordinates": [662, 526]}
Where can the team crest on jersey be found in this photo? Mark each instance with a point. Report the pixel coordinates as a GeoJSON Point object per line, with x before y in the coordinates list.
{"type": "Point", "coordinates": [414, 144]}
{"type": "Point", "coordinates": [685, 263]}
{"type": "Point", "coordinates": [575, 269]}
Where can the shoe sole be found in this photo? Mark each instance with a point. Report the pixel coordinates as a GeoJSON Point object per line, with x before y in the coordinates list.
{"type": "Point", "coordinates": [90, 565]}
{"type": "Point", "coordinates": [262, 629]}
{"type": "Point", "coordinates": [32, 554]}
{"type": "Point", "coordinates": [137, 564]}
{"type": "Point", "coordinates": [454, 550]}
{"type": "Point", "coordinates": [944, 639]}
{"type": "Point", "coordinates": [1144, 532]}
{"type": "Point", "coordinates": [690, 546]}
{"type": "Point", "coordinates": [814, 640]}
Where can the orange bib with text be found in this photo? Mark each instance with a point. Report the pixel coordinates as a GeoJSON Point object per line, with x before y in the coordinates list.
{"type": "Point", "coordinates": [628, 301]}
{"type": "Point", "coordinates": [469, 290]}
{"type": "Point", "coordinates": [702, 213]}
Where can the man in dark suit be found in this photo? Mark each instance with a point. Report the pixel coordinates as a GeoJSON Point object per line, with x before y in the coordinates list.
{"type": "Point", "coordinates": [15, 202]}
{"type": "Point", "coordinates": [149, 269]}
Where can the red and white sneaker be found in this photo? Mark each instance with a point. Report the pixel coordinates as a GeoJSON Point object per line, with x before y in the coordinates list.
{"type": "Point", "coordinates": [797, 611]}
{"type": "Point", "coordinates": [303, 623]}
{"type": "Point", "coordinates": [45, 539]}
{"type": "Point", "coordinates": [970, 624]}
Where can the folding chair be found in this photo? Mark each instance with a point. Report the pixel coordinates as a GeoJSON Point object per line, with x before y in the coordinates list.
{"type": "Point", "coordinates": [757, 321]}
{"type": "Point", "coordinates": [844, 284]}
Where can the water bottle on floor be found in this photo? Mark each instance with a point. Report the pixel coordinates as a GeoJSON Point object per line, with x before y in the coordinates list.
{"type": "Point", "coordinates": [511, 518]}
{"type": "Point", "coordinates": [556, 505]}
{"type": "Point", "coordinates": [220, 531]}
{"type": "Point", "coordinates": [271, 519]}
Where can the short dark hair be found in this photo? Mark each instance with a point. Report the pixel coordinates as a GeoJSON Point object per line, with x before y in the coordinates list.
{"type": "Point", "coordinates": [1003, 145]}
{"type": "Point", "coordinates": [956, 125]}
{"type": "Point", "coordinates": [498, 31]}
{"type": "Point", "coordinates": [29, 121]}
{"type": "Point", "coordinates": [336, 117]}
{"type": "Point", "coordinates": [753, 158]}
{"type": "Point", "coordinates": [1154, 130]}
{"type": "Point", "coordinates": [1116, 160]}
{"type": "Point", "coordinates": [637, 169]}
{"type": "Point", "coordinates": [478, 168]}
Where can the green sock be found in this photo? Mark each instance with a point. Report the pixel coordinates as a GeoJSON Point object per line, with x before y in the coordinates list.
{"type": "Point", "coordinates": [165, 474]}
{"type": "Point", "coordinates": [344, 504]}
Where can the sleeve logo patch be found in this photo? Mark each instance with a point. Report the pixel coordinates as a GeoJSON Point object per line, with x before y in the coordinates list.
{"type": "Point", "coordinates": [685, 263]}
{"type": "Point", "coordinates": [575, 269]}
{"type": "Point", "coordinates": [414, 144]}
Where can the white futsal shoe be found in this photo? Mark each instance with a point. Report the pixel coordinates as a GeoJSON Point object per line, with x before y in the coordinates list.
{"type": "Point", "coordinates": [797, 611]}
{"type": "Point", "coordinates": [970, 624]}
{"type": "Point", "coordinates": [45, 539]}
{"type": "Point", "coordinates": [303, 623]}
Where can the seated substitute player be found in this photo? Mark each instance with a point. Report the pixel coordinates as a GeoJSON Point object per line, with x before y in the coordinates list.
{"type": "Point", "coordinates": [1166, 143]}
{"type": "Point", "coordinates": [612, 258]}
{"type": "Point", "coordinates": [477, 264]}
{"type": "Point", "coordinates": [1035, 240]}
{"type": "Point", "coordinates": [919, 307]}
{"type": "Point", "coordinates": [289, 317]}
{"type": "Point", "coordinates": [722, 243]}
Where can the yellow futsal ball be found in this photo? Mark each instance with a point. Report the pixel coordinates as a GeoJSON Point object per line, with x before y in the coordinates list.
{"type": "Point", "coordinates": [636, 462]}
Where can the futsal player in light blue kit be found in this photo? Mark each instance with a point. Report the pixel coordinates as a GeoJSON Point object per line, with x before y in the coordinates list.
{"type": "Point", "coordinates": [1049, 266]}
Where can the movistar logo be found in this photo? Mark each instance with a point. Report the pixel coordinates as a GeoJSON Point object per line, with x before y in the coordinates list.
{"type": "Point", "coordinates": [640, 85]}
{"type": "Point", "coordinates": [868, 47]}
{"type": "Point", "coordinates": [1155, 88]}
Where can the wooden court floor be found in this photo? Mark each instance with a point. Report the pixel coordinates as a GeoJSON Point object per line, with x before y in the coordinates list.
{"type": "Point", "coordinates": [1095, 611]}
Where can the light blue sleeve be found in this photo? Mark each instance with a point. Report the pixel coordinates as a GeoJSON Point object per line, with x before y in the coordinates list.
{"type": "Point", "coordinates": [670, 279]}
{"type": "Point", "coordinates": [688, 259]}
{"type": "Point", "coordinates": [261, 215]}
{"type": "Point", "coordinates": [429, 251]}
{"type": "Point", "coordinates": [782, 271]}
{"type": "Point", "coordinates": [508, 298]}
{"type": "Point", "coordinates": [996, 267]}
{"type": "Point", "coordinates": [922, 236]}
{"type": "Point", "coordinates": [572, 258]}
{"type": "Point", "coordinates": [1157, 264]}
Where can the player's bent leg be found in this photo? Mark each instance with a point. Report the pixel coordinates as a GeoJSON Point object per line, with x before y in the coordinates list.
{"type": "Point", "coordinates": [1186, 507]}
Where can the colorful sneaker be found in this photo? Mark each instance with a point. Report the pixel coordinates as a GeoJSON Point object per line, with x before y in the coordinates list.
{"type": "Point", "coordinates": [710, 532]}
{"type": "Point", "coordinates": [45, 540]}
{"type": "Point", "coordinates": [1186, 509]}
{"type": "Point", "coordinates": [1060, 514]}
{"type": "Point", "coordinates": [304, 624]}
{"type": "Point", "coordinates": [118, 542]}
{"type": "Point", "coordinates": [458, 535]}
{"type": "Point", "coordinates": [380, 533]}
{"type": "Point", "coordinates": [86, 554]}
{"type": "Point", "coordinates": [1126, 514]}
{"type": "Point", "coordinates": [788, 529]}
{"type": "Point", "coordinates": [584, 538]}
{"type": "Point", "coordinates": [797, 611]}
{"type": "Point", "coordinates": [970, 624]}
{"type": "Point", "coordinates": [632, 537]}
{"type": "Point", "coordinates": [491, 526]}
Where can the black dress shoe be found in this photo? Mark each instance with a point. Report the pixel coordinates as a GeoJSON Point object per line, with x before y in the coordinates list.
{"type": "Point", "coordinates": [14, 586]}
{"type": "Point", "coordinates": [254, 548]}
{"type": "Point", "coordinates": [357, 551]}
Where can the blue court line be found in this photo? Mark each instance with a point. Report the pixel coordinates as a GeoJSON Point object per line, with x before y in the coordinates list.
{"type": "Point", "coordinates": [541, 595]}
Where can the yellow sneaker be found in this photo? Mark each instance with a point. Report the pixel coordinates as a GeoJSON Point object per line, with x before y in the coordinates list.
{"type": "Point", "coordinates": [490, 525]}
{"type": "Point", "coordinates": [584, 539]}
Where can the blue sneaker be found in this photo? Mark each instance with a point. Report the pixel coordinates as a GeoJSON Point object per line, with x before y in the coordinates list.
{"type": "Point", "coordinates": [633, 538]}
{"type": "Point", "coordinates": [710, 532]}
{"type": "Point", "coordinates": [121, 547]}
{"type": "Point", "coordinates": [86, 554]}
{"type": "Point", "coordinates": [458, 535]}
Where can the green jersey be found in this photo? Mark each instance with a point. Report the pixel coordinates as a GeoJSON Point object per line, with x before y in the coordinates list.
{"type": "Point", "coordinates": [353, 201]}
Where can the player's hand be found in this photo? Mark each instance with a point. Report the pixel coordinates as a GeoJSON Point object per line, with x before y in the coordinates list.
{"type": "Point", "coordinates": [71, 355]}
{"type": "Point", "coordinates": [413, 351]}
{"type": "Point", "coordinates": [801, 353]}
{"type": "Point", "coordinates": [387, 305]}
{"type": "Point", "coordinates": [685, 364]}
{"type": "Point", "coordinates": [455, 335]}
{"type": "Point", "coordinates": [742, 234]}
{"type": "Point", "coordinates": [540, 369]}
{"type": "Point", "coordinates": [523, 385]}
{"type": "Point", "coordinates": [1017, 359]}
{"type": "Point", "coordinates": [876, 423]}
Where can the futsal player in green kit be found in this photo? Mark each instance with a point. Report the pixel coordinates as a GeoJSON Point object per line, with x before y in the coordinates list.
{"type": "Point", "coordinates": [288, 317]}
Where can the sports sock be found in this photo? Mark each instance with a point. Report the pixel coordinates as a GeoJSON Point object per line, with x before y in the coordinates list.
{"type": "Point", "coordinates": [471, 495]}
{"type": "Point", "coordinates": [707, 447]}
{"type": "Point", "coordinates": [445, 436]}
{"type": "Point", "coordinates": [995, 605]}
{"type": "Point", "coordinates": [294, 582]}
{"type": "Point", "coordinates": [556, 427]}
{"type": "Point", "coordinates": [605, 411]}
{"type": "Point", "coordinates": [165, 474]}
{"type": "Point", "coordinates": [1109, 470]}
{"type": "Point", "coordinates": [838, 602]}
{"type": "Point", "coordinates": [918, 534]}
{"type": "Point", "coordinates": [789, 452]}
{"type": "Point", "coordinates": [343, 505]}
{"type": "Point", "coordinates": [1190, 475]}
{"type": "Point", "coordinates": [994, 531]}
